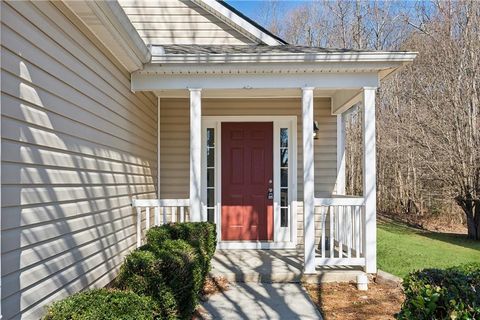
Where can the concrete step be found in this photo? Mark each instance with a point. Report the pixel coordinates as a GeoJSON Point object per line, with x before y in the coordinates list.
{"type": "Point", "coordinates": [290, 277]}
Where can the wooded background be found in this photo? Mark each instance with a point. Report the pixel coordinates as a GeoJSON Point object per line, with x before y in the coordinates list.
{"type": "Point", "coordinates": [428, 135]}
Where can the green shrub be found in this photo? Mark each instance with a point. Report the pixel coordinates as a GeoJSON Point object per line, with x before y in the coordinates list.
{"type": "Point", "coordinates": [181, 266]}
{"type": "Point", "coordinates": [103, 304]}
{"type": "Point", "coordinates": [452, 293]}
{"type": "Point", "coordinates": [143, 274]}
{"type": "Point", "coordinates": [201, 235]}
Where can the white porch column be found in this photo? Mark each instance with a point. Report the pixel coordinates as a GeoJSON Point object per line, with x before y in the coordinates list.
{"type": "Point", "coordinates": [308, 180]}
{"type": "Point", "coordinates": [340, 185]}
{"type": "Point", "coordinates": [195, 155]}
{"type": "Point", "coordinates": [369, 180]}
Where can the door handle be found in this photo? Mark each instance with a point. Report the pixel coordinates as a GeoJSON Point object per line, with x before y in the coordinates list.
{"type": "Point", "coordinates": [270, 194]}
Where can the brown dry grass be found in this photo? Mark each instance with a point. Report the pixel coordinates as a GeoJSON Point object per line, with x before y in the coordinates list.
{"type": "Point", "coordinates": [214, 285]}
{"type": "Point", "coordinates": [343, 301]}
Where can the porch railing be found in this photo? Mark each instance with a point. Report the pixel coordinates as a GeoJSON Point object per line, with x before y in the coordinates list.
{"type": "Point", "coordinates": [172, 210]}
{"type": "Point", "coordinates": [342, 222]}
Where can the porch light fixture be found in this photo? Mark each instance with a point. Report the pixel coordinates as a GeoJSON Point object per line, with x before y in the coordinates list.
{"type": "Point", "coordinates": [315, 130]}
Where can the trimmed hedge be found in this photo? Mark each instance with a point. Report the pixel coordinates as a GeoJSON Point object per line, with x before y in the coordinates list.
{"type": "Point", "coordinates": [143, 274]}
{"type": "Point", "coordinates": [452, 293]}
{"type": "Point", "coordinates": [201, 235]}
{"type": "Point", "coordinates": [161, 280]}
{"type": "Point", "coordinates": [103, 304]}
{"type": "Point", "coordinates": [171, 267]}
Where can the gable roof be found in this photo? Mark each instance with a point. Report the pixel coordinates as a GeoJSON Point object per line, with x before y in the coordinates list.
{"type": "Point", "coordinates": [240, 22]}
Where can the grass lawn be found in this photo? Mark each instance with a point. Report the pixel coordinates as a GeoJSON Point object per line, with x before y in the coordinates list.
{"type": "Point", "coordinates": [402, 249]}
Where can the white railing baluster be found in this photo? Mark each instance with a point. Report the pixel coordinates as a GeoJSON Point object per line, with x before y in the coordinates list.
{"type": "Point", "coordinates": [348, 213]}
{"type": "Point", "coordinates": [173, 215]}
{"type": "Point", "coordinates": [147, 218]}
{"type": "Point", "coordinates": [164, 215]}
{"type": "Point", "coordinates": [330, 209]}
{"type": "Point", "coordinates": [346, 223]}
{"type": "Point", "coordinates": [157, 205]}
{"type": "Point", "coordinates": [357, 232]}
{"type": "Point", "coordinates": [157, 216]}
{"type": "Point", "coordinates": [324, 221]}
{"type": "Point", "coordinates": [340, 224]}
{"type": "Point", "coordinates": [139, 227]}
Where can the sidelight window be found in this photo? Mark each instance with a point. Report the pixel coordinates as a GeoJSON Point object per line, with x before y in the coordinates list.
{"type": "Point", "coordinates": [284, 177]}
{"type": "Point", "coordinates": [211, 174]}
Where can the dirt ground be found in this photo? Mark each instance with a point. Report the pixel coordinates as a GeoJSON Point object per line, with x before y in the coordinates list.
{"type": "Point", "coordinates": [343, 301]}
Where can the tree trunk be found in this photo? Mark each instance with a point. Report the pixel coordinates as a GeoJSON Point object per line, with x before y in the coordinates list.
{"type": "Point", "coordinates": [471, 207]}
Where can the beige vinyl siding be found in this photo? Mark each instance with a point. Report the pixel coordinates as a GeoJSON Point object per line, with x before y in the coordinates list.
{"type": "Point", "coordinates": [77, 145]}
{"type": "Point", "coordinates": [174, 144]}
{"type": "Point", "coordinates": [179, 22]}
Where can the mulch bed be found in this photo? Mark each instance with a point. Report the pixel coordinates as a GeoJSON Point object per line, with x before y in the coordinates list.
{"type": "Point", "coordinates": [343, 301]}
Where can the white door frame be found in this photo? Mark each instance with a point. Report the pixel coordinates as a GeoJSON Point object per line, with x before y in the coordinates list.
{"type": "Point", "coordinates": [283, 238]}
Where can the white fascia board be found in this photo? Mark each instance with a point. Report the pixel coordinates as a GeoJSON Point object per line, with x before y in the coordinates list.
{"type": "Point", "coordinates": [392, 57]}
{"type": "Point", "coordinates": [125, 28]}
{"type": "Point", "coordinates": [150, 82]}
{"type": "Point", "coordinates": [234, 20]}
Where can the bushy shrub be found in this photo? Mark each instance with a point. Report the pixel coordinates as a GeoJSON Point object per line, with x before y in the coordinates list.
{"type": "Point", "coordinates": [143, 273]}
{"type": "Point", "coordinates": [452, 293]}
{"type": "Point", "coordinates": [201, 235]}
{"type": "Point", "coordinates": [181, 266]}
{"type": "Point", "coordinates": [171, 267]}
{"type": "Point", "coordinates": [103, 304]}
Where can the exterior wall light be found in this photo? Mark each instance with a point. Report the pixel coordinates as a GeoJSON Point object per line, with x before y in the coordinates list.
{"type": "Point", "coordinates": [315, 130]}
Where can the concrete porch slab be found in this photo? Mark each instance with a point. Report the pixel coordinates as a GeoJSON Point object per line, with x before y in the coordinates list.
{"type": "Point", "coordinates": [274, 266]}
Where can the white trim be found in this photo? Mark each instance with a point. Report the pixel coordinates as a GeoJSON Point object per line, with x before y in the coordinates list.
{"type": "Point", "coordinates": [340, 261]}
{"type": "Point", "coordinates": [254, 245]}
{"type": "Point", "coordinates": [196, 212]}
{"type": "Point", "coordinates": [308, 181]}
{"type": "Point", "coordinates": [239, 23]}
{"type": "Point", "coordinates": [289, 122]}
{"type": "Point", "coordinates": [142, 81]}
{"type": "Point", "coordinates": [160, 202]}
{"type": "Point", "coordinates": [339, 201]}
{"type": "Point", "coordinates": [369, 183]}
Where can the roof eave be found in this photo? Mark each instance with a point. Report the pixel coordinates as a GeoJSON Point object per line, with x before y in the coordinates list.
{"type": "Point", "coordinates": [109, 23]}
{"type": "Point", "coordinates": [320, 57]}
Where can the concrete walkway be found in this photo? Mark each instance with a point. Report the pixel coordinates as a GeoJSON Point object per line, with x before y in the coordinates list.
{"type": "Point", "coordinates": [255, 301]}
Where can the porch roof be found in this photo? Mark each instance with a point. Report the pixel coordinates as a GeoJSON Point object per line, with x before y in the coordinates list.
{"type": "Point", "coordinates": [260, 53]}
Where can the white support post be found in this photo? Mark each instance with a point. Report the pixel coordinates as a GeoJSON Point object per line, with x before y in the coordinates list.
{"type": "Point", "coordinates": [341, 176]}
{"type": "Point", "coordinates": [369, 180]}
{"type": "Point", "coordinates": [157, 209]}
{"type": "Point", "coordinates": [196, 212]}
{"type": "Point", "coordinates": [308, 180]}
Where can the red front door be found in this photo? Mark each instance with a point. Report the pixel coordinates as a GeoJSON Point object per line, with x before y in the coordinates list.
{"type": "Point", "coordinates": [247, 176]}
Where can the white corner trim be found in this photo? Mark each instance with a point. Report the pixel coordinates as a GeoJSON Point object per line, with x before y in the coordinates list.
{"type": "Point", "coordinates": [239, 23]}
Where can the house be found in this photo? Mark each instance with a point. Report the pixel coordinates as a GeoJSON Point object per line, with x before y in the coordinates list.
{"type": "Point", "coordinates": [189, 111]}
